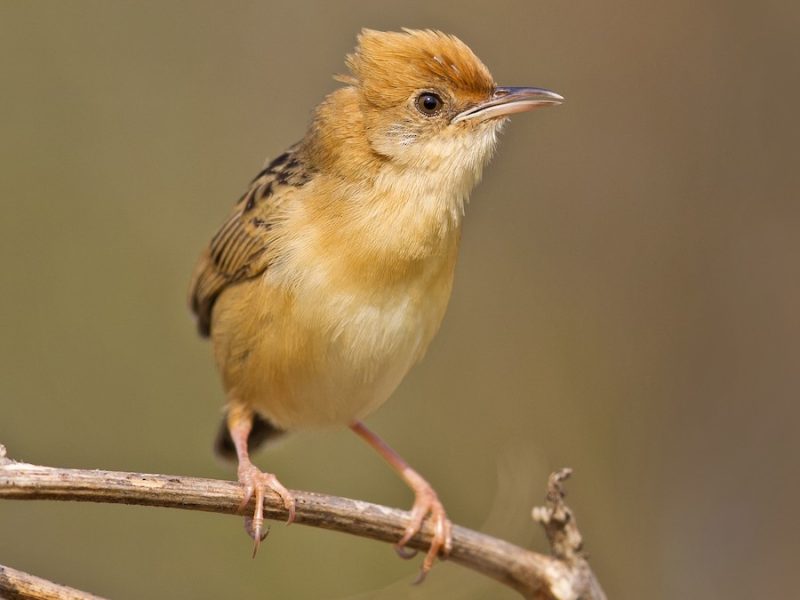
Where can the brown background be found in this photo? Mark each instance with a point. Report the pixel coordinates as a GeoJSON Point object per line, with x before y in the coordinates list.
{"type": "Point", "coordinates": [626, 301]}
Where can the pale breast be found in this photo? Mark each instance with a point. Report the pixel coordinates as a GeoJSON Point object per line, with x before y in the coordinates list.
{"type": "Point", "coordinates": [371, 344]}
{"type": "Point", "coordinates": [324, 352]}
{"type": "Point", "coordinates": [356, 288]}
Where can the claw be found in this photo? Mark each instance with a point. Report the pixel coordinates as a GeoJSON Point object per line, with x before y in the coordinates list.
{"type": "Point", "coordinates": [405, 553]}
{"type": "Point", "coordinates": [427, 503]}
{"type": "Point", "coordinates": [420, 577]}
{"type": "Point", "coordinates": [257, 483]}
{"type": "Point", "coordinates": [254, 531]}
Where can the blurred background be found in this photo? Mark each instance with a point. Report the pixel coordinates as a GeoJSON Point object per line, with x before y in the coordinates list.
{"type": "Point", "coordinates": [626, 301]}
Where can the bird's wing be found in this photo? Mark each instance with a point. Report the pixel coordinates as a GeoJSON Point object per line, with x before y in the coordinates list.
{"type": "Point", "coordinates": [239, 249]}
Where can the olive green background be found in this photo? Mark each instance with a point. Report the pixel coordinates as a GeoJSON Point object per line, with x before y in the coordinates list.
{"type": "Point", "coordinates": [626, 301]}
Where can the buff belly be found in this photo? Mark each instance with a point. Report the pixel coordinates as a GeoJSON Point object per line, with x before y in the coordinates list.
{"type": "Point", "coordinates": [306, 364]}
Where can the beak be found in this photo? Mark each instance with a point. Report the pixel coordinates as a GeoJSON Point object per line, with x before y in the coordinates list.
{"type": "Point", "coordinates": [510, 100]}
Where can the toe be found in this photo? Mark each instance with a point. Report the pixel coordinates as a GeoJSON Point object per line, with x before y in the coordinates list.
{"type": "Point", "coordinates": [249, 489]}
{"type": "Point", "coordinates": [427, 504]}
{"type": "Point", "coordinates": [256, 483]}
{"type": "Point", "coordinates": [271, 482]}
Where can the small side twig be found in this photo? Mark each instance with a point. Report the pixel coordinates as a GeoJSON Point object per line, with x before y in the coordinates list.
{"type": "Point", "coordinates": [565, 539]}
{"type": "Point", "coordinates": [532, 574]}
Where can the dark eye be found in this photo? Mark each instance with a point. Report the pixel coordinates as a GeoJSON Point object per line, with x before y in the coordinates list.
{"type": "Point", "coordinates": [429, 103]}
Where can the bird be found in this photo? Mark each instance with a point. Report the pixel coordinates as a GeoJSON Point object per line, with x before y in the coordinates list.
{"type": "Point", "coordinates": [332, 273]}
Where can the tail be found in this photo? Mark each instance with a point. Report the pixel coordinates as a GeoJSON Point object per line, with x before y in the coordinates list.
{"type": "Point", "coordinates": [263, 431]}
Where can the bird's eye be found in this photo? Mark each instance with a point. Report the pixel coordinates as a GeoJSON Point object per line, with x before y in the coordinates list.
{"type": "Point", "coordinates": [429, 103]}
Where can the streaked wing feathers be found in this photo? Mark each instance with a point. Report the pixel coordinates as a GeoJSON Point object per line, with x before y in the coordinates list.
{"type": "Point", "coordinates": [239, 249]}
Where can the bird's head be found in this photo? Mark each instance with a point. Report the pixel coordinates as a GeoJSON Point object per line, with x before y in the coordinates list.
{"type": "Point", "coordinates": [427, 101]}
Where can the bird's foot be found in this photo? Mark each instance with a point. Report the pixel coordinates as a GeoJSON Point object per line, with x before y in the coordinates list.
{"type": "Point", "coordinates": [256, 482]}
{"type": "Point", "coordinates": [426, 502]}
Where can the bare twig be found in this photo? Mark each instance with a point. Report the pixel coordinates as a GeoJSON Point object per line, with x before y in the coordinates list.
{"type": "Point", "coordinates": [16, 585]}
{"type": "Point", "coordinates": [564, 576]}
{"type": "Point", "coordinates": [565, 540]}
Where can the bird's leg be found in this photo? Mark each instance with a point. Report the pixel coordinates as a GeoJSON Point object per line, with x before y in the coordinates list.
{"type": "Point", "coordinates": [426, 502]}
{"type": "Point", "coordinates": [255, 481]}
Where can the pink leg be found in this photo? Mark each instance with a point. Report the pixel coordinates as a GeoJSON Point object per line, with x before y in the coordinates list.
{"type": "Point", "coordinates": [426, 502]}
{"type": "Point", "coordinates": [240, 421]}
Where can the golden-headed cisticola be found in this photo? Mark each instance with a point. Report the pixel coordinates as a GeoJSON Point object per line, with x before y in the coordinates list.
{"type": "Point", "coordinates": [332, 274]}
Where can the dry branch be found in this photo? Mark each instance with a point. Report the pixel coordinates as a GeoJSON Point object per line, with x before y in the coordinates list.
{"type": "Point", "coordinates": [564, 576]}
{"type": "Point", "coordinates": [17, 585]}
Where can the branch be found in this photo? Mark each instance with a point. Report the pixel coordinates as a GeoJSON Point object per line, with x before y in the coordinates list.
{"type": "Point", "coordinates": [565, 576]}
{"type": "Point", "coordinates": [16, 585]}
